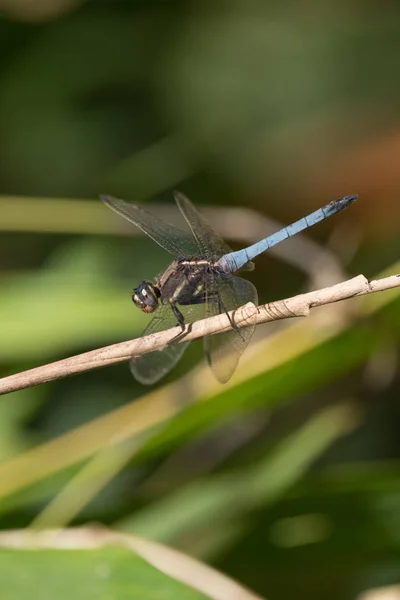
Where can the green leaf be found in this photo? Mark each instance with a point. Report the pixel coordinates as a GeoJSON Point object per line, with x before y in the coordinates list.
{"type": "Point", "coordinates": [100, 573]}
{"type": "Point", "coordinates": [208, 504]}
{"type": "Point", "coordinates": [95, 562]}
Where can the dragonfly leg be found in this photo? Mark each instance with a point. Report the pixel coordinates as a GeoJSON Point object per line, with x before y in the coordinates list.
{"type": "Point", "coordinates": [215, 297]}
{"type": "Point", "coordinates": [179, 316]}
{"type": "Point", "coordinates": [222, 309]}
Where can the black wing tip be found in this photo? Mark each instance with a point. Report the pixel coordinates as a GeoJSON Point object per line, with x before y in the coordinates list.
{"type": "Point", "coordinates": [115, 202]}
{"type": "Point", "coordinates": [107, 199]}
{"type": "Point", "coordinates": [179, 197]}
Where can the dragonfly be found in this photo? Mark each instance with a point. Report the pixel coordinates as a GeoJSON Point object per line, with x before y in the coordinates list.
{"type": "Point", "coordinates": [200, 282]}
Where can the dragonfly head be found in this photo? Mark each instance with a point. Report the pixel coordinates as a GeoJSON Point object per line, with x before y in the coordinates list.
{"type": "Point", "coordinates": [146, 296]}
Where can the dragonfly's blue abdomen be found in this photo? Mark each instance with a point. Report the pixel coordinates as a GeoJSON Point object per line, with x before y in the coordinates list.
{"type": "Point", "coordinates": [234, 261]}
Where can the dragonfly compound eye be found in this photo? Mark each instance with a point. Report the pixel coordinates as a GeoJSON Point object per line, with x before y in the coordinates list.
{"type": "Point", "coordinates": [145, 297]}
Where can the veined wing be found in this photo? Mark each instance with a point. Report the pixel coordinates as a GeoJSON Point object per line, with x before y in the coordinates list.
{"type": "Point", "coordinates": [149, 368]}
{"type": "Point", "coordinates": [209, 242]}
{"type": "Point", "coordinates": [176, 241]}
{"type": "Point", "coordinates": [224, 350]}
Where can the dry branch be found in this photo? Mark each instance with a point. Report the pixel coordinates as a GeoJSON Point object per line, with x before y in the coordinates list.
{"type": "Point", "coordinates": [297, 306]}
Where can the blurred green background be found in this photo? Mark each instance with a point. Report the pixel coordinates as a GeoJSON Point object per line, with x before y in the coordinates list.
{"type": "Point", "coordinates": [288, 478]}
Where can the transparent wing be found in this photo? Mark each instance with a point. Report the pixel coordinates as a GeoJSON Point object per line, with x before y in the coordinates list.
{"type": "Point", "coordinates": [150, 368]}
{"type": "Point", "coordinates": [223, 351]}
{"type": "Point", "coordinates": [209, 242]}
{"type": "Point", "coordinates": [176, 241]}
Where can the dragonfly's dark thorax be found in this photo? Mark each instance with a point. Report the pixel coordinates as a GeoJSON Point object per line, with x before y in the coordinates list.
{"type": "Point", "coordinates": [185, 280]}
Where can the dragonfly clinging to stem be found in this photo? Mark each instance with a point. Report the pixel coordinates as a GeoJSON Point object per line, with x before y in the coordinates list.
{"type": "Point", "coordinates": [200, 282]}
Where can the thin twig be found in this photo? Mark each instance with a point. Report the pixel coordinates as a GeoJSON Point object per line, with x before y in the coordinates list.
{"type": "Point", "coordinates": [297, 306]}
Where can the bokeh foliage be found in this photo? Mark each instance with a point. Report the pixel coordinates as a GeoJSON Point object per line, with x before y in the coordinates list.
{"type": "Point", "coordinates": [286, 479]}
